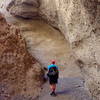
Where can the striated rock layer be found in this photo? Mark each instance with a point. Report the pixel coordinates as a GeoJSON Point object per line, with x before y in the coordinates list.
{"type": "Point", "coordinates": [21, 75]}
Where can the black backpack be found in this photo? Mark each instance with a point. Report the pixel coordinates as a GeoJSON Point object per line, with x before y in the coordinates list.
{"type": "Point", "coordinates": [52, 71]}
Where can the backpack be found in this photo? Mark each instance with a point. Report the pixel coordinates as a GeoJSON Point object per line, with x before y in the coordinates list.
{"type": "Point", "coordinates": [52, 71]}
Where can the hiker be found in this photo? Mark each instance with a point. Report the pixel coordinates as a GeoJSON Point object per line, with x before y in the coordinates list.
{"type": "Point", "coordinates": [53, 75]}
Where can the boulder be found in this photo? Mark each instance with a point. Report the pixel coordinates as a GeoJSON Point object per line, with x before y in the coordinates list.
{"type": "Point", "coordinates": [24, 8]}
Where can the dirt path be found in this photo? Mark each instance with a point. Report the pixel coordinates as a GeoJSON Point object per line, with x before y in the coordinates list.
{"type": "Point", "coordinates": [68, 89]}
{"type": "Point", "coordinates": [45, 44]}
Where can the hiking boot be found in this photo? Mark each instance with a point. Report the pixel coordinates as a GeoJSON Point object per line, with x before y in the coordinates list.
{"type": "Point", "coordinates": [53, 94]}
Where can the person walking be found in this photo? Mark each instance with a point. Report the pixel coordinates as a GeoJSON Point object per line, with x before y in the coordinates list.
{"type": "Point", "coordinates": [53, 75]}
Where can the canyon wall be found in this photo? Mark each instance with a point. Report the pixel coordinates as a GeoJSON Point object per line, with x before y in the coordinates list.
{"type": "Point", "coordinates": [21, 76]}
{"type": "Point", "coordinates": [79, 22]}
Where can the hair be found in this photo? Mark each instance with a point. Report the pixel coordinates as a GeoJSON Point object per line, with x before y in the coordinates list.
{"type": "Point", "coordinates": [53, 61]}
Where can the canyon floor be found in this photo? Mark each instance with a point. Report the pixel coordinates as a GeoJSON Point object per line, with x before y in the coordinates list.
{"type": "Point", "coordinates": [46, 43]}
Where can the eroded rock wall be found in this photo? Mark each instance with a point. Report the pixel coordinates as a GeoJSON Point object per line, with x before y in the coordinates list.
{"type": "Point", "coordinates": [73, 17]}
{"type": "Point", "coordinates": [79, 21]}
{"type": "Point", "coordinates": [21, 76]}
{"type": "Point", "coordinates": [24, 8]}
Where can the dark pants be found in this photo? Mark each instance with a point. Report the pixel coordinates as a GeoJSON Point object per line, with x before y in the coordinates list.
{"type": "Point", "coordinates": [53, 79]}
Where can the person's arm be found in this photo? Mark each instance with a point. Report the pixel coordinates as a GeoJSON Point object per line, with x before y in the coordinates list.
{"type": "Point", "coordinates": [58, 72]}
{"type": "Point", "coordinates": [48, 71]}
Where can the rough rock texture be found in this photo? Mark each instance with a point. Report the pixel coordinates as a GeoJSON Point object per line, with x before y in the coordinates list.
{"type": "Point", "coordinates": [20, 74]}
{"type": "Point", "coordinates": [79, 21]}
{"type": "Point", "coordinates": [24, 8]}
{"type": "Point", "coordinates": [72, 17]}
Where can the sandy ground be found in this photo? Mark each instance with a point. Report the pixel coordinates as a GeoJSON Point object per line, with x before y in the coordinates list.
{"type": "Point", "coordinates": [45, 44]}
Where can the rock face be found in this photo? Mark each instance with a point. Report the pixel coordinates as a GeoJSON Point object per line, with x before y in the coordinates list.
{"type": "Point", "coordinates": [24, 8]}
{"type": "Point", "coordinates": [20, 74]}
{"type": "Point", "coordinates": [79, 21]}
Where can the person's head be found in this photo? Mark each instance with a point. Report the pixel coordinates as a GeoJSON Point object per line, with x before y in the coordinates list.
{"type": "Point", "coordinates": [53, 61]}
